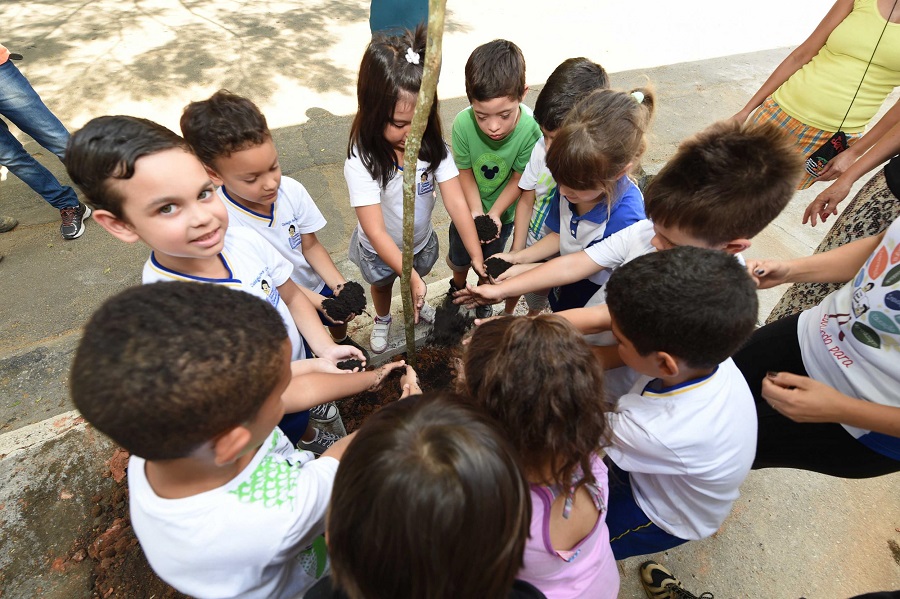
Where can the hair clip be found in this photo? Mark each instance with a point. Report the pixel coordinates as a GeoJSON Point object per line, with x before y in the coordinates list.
{"type": "Point", "coordinates": [412, 57]}
{"type": "Point", "coordinates": [639, 96]}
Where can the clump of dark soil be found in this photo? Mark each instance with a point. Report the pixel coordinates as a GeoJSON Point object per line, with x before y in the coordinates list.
{"type": "Point", "coordinates": [350, 364]}
{"type": "Point", "coordinates": [436, 368]}
{"type": "Point", "coordinates": [351, 300]}
{"type": "Point", "coordinates": [450, 325]}
{"type": "Point", "coordinates": [486, 228]}
{"type": "Point", "coordinates": [496, 266]}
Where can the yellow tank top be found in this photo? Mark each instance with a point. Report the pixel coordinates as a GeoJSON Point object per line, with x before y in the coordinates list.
{"type": "Point", "coordinates": [819, 93]}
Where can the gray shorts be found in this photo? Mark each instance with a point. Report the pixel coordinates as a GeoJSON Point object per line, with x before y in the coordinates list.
{"type": "Point", "coordinates": [377, 273]}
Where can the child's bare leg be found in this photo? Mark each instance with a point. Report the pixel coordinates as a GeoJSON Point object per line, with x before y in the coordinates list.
{"type": "Point", "coordinates": [381, 299]}
{"type": "Point", "coordinates": [309, 434]}
{"type": "Point", "coordinates": [511, 303]}
{"type": "Point", "coordinates": [459, 278]}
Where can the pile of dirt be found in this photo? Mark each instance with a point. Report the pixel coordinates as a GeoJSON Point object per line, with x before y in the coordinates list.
{"type": "Point", "coordinates": [120, 569]}
{"type": "Point", "coordinates": [350, 300]}
{"type": "Point", "coordinates": [436, 368]}
{"type": "Point", "coordinates": [496, 266]}
{"type": "Point", "coordinates": [486, 228]}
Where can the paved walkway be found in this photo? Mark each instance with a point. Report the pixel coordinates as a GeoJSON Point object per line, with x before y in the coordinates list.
{"type": "Point", "coordinates": [791, 534]}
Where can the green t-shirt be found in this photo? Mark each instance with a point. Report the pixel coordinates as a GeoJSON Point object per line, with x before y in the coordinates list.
{"type": "Point", "coordinates": [492, 162]}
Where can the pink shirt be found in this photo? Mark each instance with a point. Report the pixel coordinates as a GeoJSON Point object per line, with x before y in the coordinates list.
{"type": "Point", "coordinates": [588, 570]}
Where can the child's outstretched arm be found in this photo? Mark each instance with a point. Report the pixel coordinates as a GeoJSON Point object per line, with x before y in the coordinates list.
{"type": "Point", "coordinates": [372, 222]}
{"type": "Point", "coordinates": [523, 219]}
{"type": "Point", "coordinates": [309, 390]}
{"type": "Point", "coordinates": [309, 325]}
{"type": "Point", "coordinates": [506, 198]}
{"type": "Point", "coordinates": [455, 202]}
{"type": "Point", "coordinates": [470, 191]}
{"type": "Point", "coordinates": [543, 249]}
{"type": "Point", "coordinates": [321, 262]}
{"type": "Point", "coordinates": [589, 320]}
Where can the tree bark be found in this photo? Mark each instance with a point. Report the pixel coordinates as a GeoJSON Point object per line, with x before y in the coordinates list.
{"type": "Point", "coordinates": [424, 101]}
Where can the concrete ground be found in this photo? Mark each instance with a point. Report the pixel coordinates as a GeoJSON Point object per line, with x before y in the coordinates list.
{"type": "Point", "coordinates": [791, 534]}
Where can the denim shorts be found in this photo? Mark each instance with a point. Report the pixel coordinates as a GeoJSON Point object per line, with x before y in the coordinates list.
{"type": "Point", "coordinates": [459, 259]}
{"type": "Point", "coordinates": [377, 273]}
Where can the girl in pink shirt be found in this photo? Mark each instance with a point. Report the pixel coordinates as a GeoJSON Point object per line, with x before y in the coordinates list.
{"type": "Point", "coordinates": [540, 381]}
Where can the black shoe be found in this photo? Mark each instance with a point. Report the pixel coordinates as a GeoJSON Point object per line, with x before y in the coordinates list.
{"type": "Point", "coordinates": [484, 311]}
{"type": "Point", "coordinates": [72, 226]}
{"type": "Point", "coordinates": [659, 583]}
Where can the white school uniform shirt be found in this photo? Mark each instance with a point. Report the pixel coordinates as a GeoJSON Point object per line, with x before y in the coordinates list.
{"type": "Point", "coordinates": [244, 539]}
{"type": "Point", "coordinates": [538, 177]}
{"type": "Point", "coordinates": [851, 341]}
{"type": "Point", "coordinates": [687, 448]}
{"type": "Point", "coordinates": [253, 265]}
{"type": "Point", "coordinates": [293, 207]}
{"type": "Point", "coordinates": [366, 191]}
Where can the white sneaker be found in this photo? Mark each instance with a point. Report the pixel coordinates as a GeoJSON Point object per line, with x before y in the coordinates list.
{"type": "Point", "coordinates": [426, 313]}
{"type": "Point", "coordinates": [378, 340]}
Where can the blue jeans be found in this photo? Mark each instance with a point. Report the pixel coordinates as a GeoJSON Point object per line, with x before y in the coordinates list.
{"type": "Point", "coordinates": [23, 107]}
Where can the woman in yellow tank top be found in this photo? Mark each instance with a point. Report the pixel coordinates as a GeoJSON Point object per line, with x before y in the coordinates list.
{"type": "Point", "coordinates": [813, 88]}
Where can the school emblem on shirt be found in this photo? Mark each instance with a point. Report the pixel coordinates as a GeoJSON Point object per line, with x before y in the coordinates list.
{"type": "Point", "coordinates": [271, 292]}
{"type": "Point", "coordinates": [294, 237]}
{"type": "Point", "coordinates": [425, 185]}
{"type": "Point", "coordinates": [491, 171]}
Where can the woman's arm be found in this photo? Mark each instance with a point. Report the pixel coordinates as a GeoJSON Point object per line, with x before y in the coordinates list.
{"type": "Point", "coordinates": [834, 266]}
{"type": "Point", "coordinates": [887, 146]}
{"type": "Point", "coordinates": [803, 399]}
{"type": "Point", "coordinates": [458, 209]}
{"type": "Point", "coordinates": [799, 57]}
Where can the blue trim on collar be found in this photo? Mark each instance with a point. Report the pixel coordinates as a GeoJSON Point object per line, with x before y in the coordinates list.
{"type": "Point", "coordinates": [679, 385]}
{"type": "Point", "coordinates": [269, 217]}
{"type": "Point", "coordinates": [230, 278]}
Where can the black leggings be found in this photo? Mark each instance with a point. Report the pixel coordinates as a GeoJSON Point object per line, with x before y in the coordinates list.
{"type": "Point", "coordinates": [822, 447]}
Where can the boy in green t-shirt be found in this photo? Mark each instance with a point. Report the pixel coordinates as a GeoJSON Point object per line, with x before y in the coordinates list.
{"type": "Point", "coordinates": [492, 142]}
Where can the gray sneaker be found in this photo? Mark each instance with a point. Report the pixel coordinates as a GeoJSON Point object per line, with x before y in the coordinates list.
{"type": "Point", "coordinates": [323, 441]}
{"type": "Point", "coordinates": [324, 413]}
{"type": "Point", "coordinates": [72, 226]}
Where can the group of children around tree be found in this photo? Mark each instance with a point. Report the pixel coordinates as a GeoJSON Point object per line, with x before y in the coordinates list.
{"type": "Point", "coordinates": [502, 490]}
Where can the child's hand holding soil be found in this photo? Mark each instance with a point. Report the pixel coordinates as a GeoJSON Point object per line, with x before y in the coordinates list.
{"type": "Point", "coordinates": [383, 371]}
{"type": "Point", "coordinates": [487, 227]}
{"type": "Point", "coordinates": [349, 300]}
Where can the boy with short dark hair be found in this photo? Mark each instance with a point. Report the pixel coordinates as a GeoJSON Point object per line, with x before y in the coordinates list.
{"type": "Point", "coordinates": [147, 186]}
{"type": "Point", "coordinates": [230, 136]}
{"type": "Point", "coordinates": [222, 504]}
{"type": "Point", "coordinates": [568, 83]}
{"type": "Point", "coordinates": [492, 142]}
{"type": "Point", "coordinates": [684, 438]}
{"type": "Point", "coordinates": [720, 189]}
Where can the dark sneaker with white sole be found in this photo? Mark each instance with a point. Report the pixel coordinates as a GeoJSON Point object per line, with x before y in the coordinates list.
{"type": "Point", "coordinates": [324, 413]}
{"type": "Point", "coordinates": [72, 226]}
{"type": "Point", "coordinates": [659, 583]}
{"type": "Point", "coordinates": [322, 441]}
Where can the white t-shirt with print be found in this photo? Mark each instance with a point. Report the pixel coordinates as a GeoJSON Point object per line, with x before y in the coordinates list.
{"type": "Point", "coordinates": [851, 341]}
{"type": "Point", "coordinates": [688, 448]}
{"type": "Point", "coordinates": [366, 191]}
{"type": "Point", "coordinates": [254, 266]}
{"type": "Point", "coordinates": [293, 214]}
{"type": "Point", "coordinates": [244, 539]}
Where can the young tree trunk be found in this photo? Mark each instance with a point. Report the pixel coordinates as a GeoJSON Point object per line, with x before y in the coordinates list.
{"type": "Point", "coordinates": [424, 101]}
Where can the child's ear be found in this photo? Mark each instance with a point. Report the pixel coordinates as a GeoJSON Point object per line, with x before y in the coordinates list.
{"type": "Point", "coordinates": [228, 446]}
{"type": "Point", "coordinates": [667, 364]}
{"type": "Point", "coordinates": [117, 227]}
{"type": "Point", "coordinates": [214, 176]}
{"type": "Point", "coordinates": [736, 246]}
